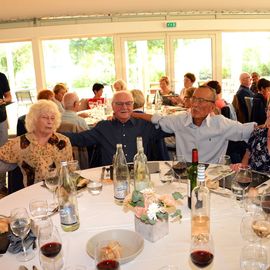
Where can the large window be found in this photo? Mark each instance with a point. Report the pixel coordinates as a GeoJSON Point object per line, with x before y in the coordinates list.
{"type": "Point", "coordinates": [16, 61]}
{"type": "Point", "coordinates": [79, 62]}
{"type": "Point", "coordinates": [243, 52]}
{"type": "Point", "coordinates": [145, 62]}
{"type": "Point", "coordinates": [192, 55]}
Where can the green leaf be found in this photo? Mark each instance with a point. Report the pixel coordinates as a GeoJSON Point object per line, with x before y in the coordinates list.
{"type": "Point", "coordinates": [177, 213]}
{"type": "Point", "coordinates": [140, 204]}
{"type": "Point", "coordinates": [137, 196]}
{"type": "Point", "coordinates": [152, 221]}
{"type": "Point", "coordinates": [177, 195]}
{"type": "Point", "coordinates": [144, 218]}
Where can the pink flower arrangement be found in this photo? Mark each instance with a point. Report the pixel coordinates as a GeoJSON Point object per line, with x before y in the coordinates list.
{"type": "Point", "coordinates": [150, 207]}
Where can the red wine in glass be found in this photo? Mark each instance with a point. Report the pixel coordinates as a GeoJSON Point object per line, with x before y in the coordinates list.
{"type": "Point", "coordinates": [108, 265]}
{"type": "Point", "coordinates": [51, 249]}
{"type": "Point", "coordinates": [201, 258]}
{"type": "Point", "coordinates": [244, 182]}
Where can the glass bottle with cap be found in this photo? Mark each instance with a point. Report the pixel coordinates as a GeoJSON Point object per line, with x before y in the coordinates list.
{"type": "Point", "coordinates": [200, 205]}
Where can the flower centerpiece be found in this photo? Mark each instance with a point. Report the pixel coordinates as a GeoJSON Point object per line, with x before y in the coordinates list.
{"type": "Point", "coordinates": [152, 212]}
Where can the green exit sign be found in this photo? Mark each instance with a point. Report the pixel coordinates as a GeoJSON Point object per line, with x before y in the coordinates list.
{"type": "Point", "coordinates": [171, 24]}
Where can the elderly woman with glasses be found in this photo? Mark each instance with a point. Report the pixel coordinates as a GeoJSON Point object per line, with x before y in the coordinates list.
{"type": "Point", "coordinates": [41, 147]}
{"type": "Point", "coordinates": [258, 152]}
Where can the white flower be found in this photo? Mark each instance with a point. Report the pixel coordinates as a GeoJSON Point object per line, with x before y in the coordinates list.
{"type": "Point", "coordinates": [147, 191]}
{"type": "Point", "coordinates": [152, 211]}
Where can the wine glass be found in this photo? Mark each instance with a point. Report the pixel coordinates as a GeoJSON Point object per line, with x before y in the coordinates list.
{"type": "Point", "coordinates": [52, 181]}
{"type": "Point", "coordinates": [104, 257]}
{"type": "Point", "coordinates": [202, 250]}
{"type": "Point", "coordinates": [224, 162]}
{"type": "Point", "coordinates": [50, 245]}
{"type": "Point", "coordinates": [246, 227]}
{"type": "Point", "coordinates": [20, 224]}
{"type": "Point", "coordinates": [243, 178]}
{"type": "Point", "coordinates": [179, 167]}
{"type": "Point", "coordinates": [253, 256]}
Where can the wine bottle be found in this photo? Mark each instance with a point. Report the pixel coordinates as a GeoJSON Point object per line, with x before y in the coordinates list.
{"type": "Point", "coordinates": [200, 206]}
{"type": "Point", "coordinates": [68, 205]}
{"type": "Point", "coordinates": [192, 175]}
{"type": "Point", "coordinates": [141, 171]}
{"type": "Point", "coordinates": [120, 175]}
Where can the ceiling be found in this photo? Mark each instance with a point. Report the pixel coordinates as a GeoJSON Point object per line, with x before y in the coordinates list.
{"type": "Point", "coordinates": [28, 9]}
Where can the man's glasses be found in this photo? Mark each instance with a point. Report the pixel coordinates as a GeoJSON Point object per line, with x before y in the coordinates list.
{"type": "Point", "coordinates": [119, 103]}
{"type": "Point", "coordinates": [201, 100]}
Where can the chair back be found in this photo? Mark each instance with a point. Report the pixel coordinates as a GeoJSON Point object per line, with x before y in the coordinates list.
{"type": "Point", "coordinates": [239, 113]}
{"type": "Point", "coordinates": [249, 104]}
{"type": "Point", "coordinates": [24, 96]}
{"type": "Point", "coordinates": [79, 153]}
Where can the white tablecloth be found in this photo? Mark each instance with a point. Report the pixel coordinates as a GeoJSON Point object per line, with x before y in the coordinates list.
{"type": "Point", "coordinates": [100, 213]}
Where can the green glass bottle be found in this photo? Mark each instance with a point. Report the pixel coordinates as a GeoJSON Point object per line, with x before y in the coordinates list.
{"type": "Point", "coordinates": [192, 175]}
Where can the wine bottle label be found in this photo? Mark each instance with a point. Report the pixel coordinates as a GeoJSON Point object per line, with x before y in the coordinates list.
{"type": "Point", "coordinates": [68, 215]}
{"type": "Point", "coordinates": [120, 190]}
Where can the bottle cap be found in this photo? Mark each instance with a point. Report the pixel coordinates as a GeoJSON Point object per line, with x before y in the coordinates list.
{"type": "Point", "coordinates": [201, 172]}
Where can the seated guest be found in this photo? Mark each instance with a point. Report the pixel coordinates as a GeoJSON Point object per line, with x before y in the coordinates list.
{"type": "Point", "coordinates": [243, 92]}
{"type": "Point", "coordinates": [198, 128]}
{"type": "Point", "coordinates": [220, 103]}
{"type": "Point", "coordinates": [71, 106]}
{"type": "Point", "coordinates": [187, 98]}
{"type": "Point", "coordinates": [41, 147]}
{"type": "Point", "coordinates": [165, 90]}
{"type": "Point", "coordinates": [98, 91]}
{"type": "Point", "coordinates": [119, 85]}
{"type": "Point", "coordinates": [258, 113]}
{"type": "Point", "coordinates": [258, 152]}
{"type": "Point", "coordinates": [254, 85]}
{"type": "Point", "coordinates": [121, 129]}
{"type": "Point", "coordinates": [59, 90]}
{"type": "Point", "coordinates": [138, 97]}
{"type": "Point", "coordinates": [43, 94]}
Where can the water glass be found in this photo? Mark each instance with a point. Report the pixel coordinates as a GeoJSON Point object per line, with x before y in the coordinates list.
{"type": "Point", "coordinates": [38, 208]}
{"type": "Point", "coordinates": [51, 181]}
{"type": "Point", "coordinates": [180, 167]}
{"type": "Point", "coordinates": [95, 187]}
{"type": "Point", "coordinates": [225, 162]}
{"type": "Point", "coordinates": [253, 256]}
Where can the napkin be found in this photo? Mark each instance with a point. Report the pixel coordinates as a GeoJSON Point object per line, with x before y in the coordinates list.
{"type": "Point", "coordinates": [16, 242]}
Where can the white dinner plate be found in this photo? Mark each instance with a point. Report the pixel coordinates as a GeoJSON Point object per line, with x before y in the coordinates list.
{"type": "Point", "coordinates": [131, 242]}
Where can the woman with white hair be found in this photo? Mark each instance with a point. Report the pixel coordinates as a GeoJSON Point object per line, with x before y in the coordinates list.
{"type": "Point", "coordinates": [41, 147]}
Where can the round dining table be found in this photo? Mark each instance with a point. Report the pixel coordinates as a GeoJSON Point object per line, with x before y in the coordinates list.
{"type": "Point", "coordinates": [99, 213]}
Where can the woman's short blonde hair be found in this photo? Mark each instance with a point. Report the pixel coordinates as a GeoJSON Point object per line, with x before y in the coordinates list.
{"type": "Point", "coordinates": [42, 107]}
{"type": "Point", "coordinates": [165, 79]}
{"type": "Point", "coordinates": [122, 83]}
{"type": "Point", "coordinates": [138, 98]}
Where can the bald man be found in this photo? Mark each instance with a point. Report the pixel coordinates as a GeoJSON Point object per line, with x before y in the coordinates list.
{"type": "Point", "coordinates": [71, 105]}
{"type": "Point", "coordinates": [244, 91]}
{"type": "Point", "coordinates": [122, 129]}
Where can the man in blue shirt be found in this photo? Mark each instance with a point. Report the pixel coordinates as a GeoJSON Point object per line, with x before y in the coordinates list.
{"type": "Point", "coordinates": [122, 129]}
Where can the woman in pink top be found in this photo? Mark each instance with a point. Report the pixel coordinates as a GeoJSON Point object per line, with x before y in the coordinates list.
{"type": "Point", "coordinates": [220, 103]}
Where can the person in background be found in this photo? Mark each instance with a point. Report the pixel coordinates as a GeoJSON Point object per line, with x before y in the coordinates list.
{"type": "Point", "coordinates": [258, 153]}
{"type": "Point", "coordinates": [5, 97]}
{"type": "Point", "coordinates": [198, 128]}
{"type": "Point", "coordinates": [139, 100]}
{"type": "Point", "coordinates": [59, 90]}
{"type": "Point", "coordinates": [41, 147]}
{"type": "Point", "coordinates": [98, 90]}
{"type": "Point", "coordinates": [258, 113]}
{"type": "Point", "coordinates": [165, 90]}
{"type": "Point", "coordinates": [71, 105]}
{"type": "Point", "coordinates": [187, 98]}
{"type": "Point", "coordinates": [220, 103]}
{"type": "Point", "coordinates": [189, 80]}
{"type": "Point", "coordinates": [119, 85]}
{"type": "Point", "coordinates": [254, 85]}
{"type": "Point", "coordinates": [243, 92]}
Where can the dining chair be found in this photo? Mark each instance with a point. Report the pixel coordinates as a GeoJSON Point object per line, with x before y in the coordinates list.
{"type": "Point", "coordinates": [24, 100]}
